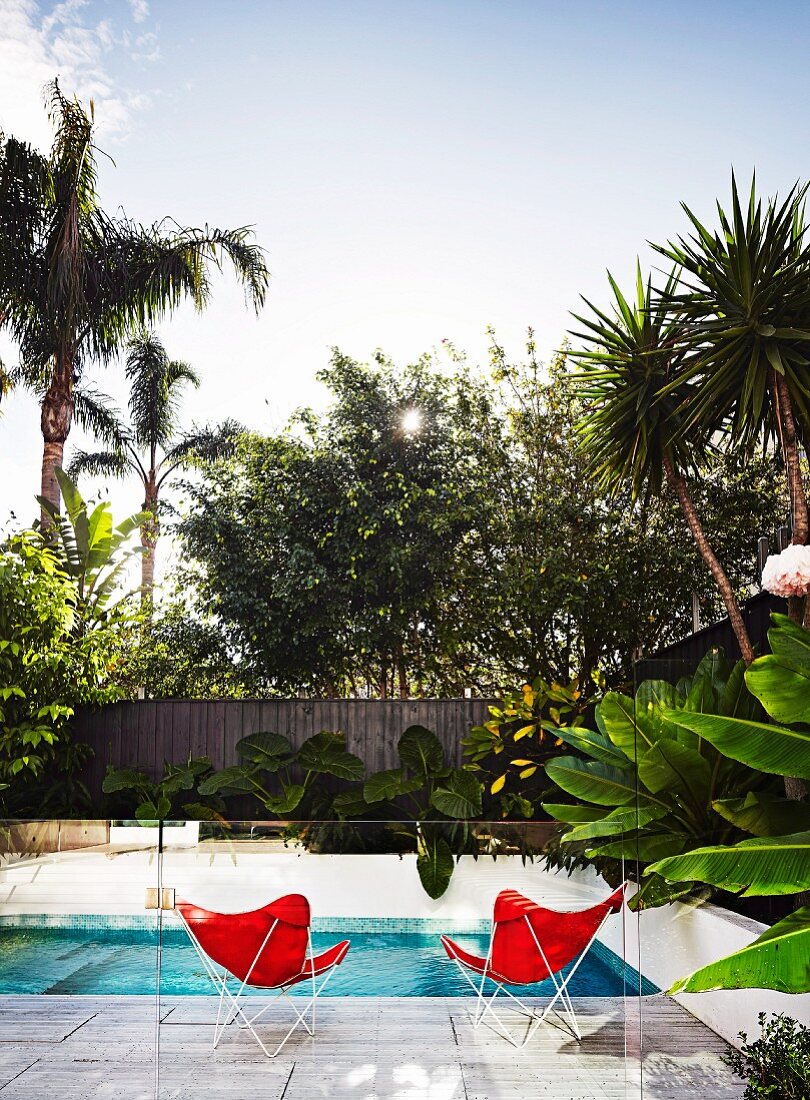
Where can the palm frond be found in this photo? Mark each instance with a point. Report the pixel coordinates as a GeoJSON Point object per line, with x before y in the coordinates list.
{"type": "Point", "coordinates": [203, 445]}
{"type": "Point", "coordinates": [95, 413]}
{"type": "Point", "coordinates": [98, 464]}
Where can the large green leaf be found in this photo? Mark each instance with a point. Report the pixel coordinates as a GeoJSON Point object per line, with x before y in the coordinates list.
{"type": "Point", "coordinates": [778, 959]}
{"type": "Point", "coordinates": [674, 767]}
{"type": "Point", "coordinates": [421, 751]}
{"type": "Point", "coordinates": [592, 744]}
{"type": "Point", "coordinates": [624, 820]}
{"type": "Point", "coordinates": [592, 781]}
{"type": "Point", "coordinates": [645, 848]}
{"type": "Point", "coordinates": [628, 725]}
{"type": "Point", "coordinates": [736, 701]}
{"type": "Point", "coordinates": [237, 779]}
{"type": "Point", "coordinates": [753, 868]}
{"type": "Point", "coordinates": [764, 814]}
{"type": "Point", "coordinates": [562, 811]}
{"type": "Point", "coordinates": [658, 692]}
{"type": "Point", "coordinates": [270, 751]}
{"type": "Point", "coordinates": [766, 747]}
{"type": "Point", "coordinates": [287, 802]}
{"type": "Point", "coordinates": [459, 795]}
{"type": "Point", "coordinates": [124, 779]}
{"type": "Point", "coordinates": [435, 865]}
{"type": "Point", "coordinates": [781, 679]}
{"type": "Point", "coordinates": [326, 753]}
{"type": "Point", "coordinates": [383, 786]}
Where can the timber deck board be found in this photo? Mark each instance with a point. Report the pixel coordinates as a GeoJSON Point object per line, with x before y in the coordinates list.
{"type": "Point", "coordinates": [366, 1048]}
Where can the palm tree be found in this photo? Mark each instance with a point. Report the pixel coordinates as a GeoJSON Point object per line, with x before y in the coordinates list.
{"type": "Point", "coordinates": [744, 314]}
{"type": "Point", "coordinates": [150, 446]}
{"type": "Point", "coordinates": [633, 432]}
{"type": "Point", "coordinates": [75, 283]}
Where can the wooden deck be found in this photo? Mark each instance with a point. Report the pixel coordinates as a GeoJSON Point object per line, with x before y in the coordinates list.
{"type": "Point", "coordinates": [72, 1048]}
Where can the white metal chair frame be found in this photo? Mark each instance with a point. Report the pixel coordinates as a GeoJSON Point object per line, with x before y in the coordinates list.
{"type": "Point", "coordinates": [485, 1003]}
{"type": "Point", "coordinates": [237, 1000]}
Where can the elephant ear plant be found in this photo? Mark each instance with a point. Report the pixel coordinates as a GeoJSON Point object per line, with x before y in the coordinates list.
{"type": "Point", "coordinates": [286, 781]}
{"type": "Point", "coordinates": [776, 861]}
{"type": "Point", "coordinates": [647, 786]}
{"type": "Point", "coordinates": [164, 798]}
{"type": "Point", "coordinates": [435, 797]}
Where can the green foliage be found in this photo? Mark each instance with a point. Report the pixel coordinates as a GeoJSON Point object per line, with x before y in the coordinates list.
{"type": "Point", "coordinates": [651, 787]}
{"type": "Point", "coordinates": [774, 863]}
{"type": "Point", "coordinates": [59, 643]}
{"type": "Point", "coordinates": [347, 555]}
{"type": "Point", "coordinates": [776, 1066]}
{"type": "Point", "coordinates": [90, 551]}
{"type": "Point", "coordinates": [522, 734]}
{"type": "Point", "coordinates": [156, 801]}
{"type": "Point", "coordinates": [284, 781]}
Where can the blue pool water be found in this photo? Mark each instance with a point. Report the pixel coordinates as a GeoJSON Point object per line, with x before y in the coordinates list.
{"type": "Point", "coordinates": [386, 961]}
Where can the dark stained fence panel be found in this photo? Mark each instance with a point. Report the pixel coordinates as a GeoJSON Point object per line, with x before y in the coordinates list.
{"type": "Point", "coordinates": [146, 733]}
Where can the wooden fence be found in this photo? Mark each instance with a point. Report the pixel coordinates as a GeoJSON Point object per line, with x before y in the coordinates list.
{"type": "Point", "coordinates": [673, 661]}
{"type": "Point", "coordinates": [146, 733]}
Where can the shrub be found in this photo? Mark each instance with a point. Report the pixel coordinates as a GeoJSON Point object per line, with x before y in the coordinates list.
{"type": "Point", "coordinates": [777, 1064]}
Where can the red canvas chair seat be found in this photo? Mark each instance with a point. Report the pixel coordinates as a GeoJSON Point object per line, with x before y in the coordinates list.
{"type": "Point", "coordinates": [528, 944]}
{"type": "Point", "coordinates": [267, 948]}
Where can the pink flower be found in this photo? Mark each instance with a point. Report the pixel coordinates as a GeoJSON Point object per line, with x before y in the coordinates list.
{"type": "Point", "coordinates": [788, 573]}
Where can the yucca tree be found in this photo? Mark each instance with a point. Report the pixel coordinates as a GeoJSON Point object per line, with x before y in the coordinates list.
{"type": "Point", "coordinates": [151, 447]}
{"type": "Point", "coordinates": [75, 283]}
{"type": "Point", "coordinates": [632, 433]}
{"type": "Point", "coordinates": [743, 311]}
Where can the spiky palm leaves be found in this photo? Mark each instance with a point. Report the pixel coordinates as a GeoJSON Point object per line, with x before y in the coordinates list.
{"type": "Point", "coordinates": [744, 309]}
{"type": "Point", "coordinates": [75, 283]}
{"type": "Point", "coordinates": [151, 445]}
{"type": "Point", "coordinates": [638, 402]}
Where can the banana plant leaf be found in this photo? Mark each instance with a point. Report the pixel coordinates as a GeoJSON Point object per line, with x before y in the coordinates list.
{"type": "Point", "coordinates": [763, 814]}
{"type": "Point", "coordinates": [672, 766]}
{"type": "Point", "coordinates": [778, 959]}
{"type": "Point", "coordinates": [753, 868]}
{"type": "Point", "coordinates": [592, 781]}
{"type": "Point", "coordinates": [768, 748]}
{"type": "Point", "coordinates": [644, 848]}
{"type": "Point", "coordinates": [562, 811]}
{"type": "Point", "coordinates": [592, 744]}
{"type": "Point", "coordinates": [628, 725]}
{"type": "Point", "coordinates": [781, 679]}
{"type": "Point", "coordinates": [624, 820]}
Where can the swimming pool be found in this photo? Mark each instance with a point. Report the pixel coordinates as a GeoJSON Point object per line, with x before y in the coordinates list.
{"type": "Point", "coordinates": [388, 958]}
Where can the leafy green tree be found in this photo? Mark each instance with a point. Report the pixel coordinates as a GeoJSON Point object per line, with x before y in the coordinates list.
{"type": "Point", "coordinates": [59, 646]}
{"type": "Point", "coordinates": [329, 552]}
{"type": "Point", "coordinates": [76, 282]}
{"type": "Point", "coordinates": [354, 554]}
{"type": "Point", "coordinates": [151, 447]}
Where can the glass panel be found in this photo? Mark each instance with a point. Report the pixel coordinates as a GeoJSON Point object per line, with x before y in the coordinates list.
{"type": "Point", "coordinates": [78, 959]}
{"type": "Point", "coordinates": [683, 925]}
{"type": "Point", "coordinates": [395, 1017]}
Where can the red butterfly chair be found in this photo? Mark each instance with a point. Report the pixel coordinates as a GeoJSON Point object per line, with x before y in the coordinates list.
{"type": "Point", "coordinates": [268, 948]}
{"type": "Point", "coordinates": [528, 944]}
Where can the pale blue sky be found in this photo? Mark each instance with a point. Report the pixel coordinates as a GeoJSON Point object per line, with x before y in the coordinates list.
{"type": "Point", "coordinates": [416, 171]}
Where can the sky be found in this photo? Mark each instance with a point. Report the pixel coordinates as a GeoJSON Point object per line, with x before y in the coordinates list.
{"type": "Point", "coordinates": [416, 171]}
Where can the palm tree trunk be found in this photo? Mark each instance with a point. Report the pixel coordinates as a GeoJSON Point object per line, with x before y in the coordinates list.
{"type": "Point", "coordinates": [786, 427]}
{"type": "Point", "coordinates": [150, 532]}
{"type": "Point", "coordinates": [678, 483]}
{"type": "Point", "coordinates": [55, 422]}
